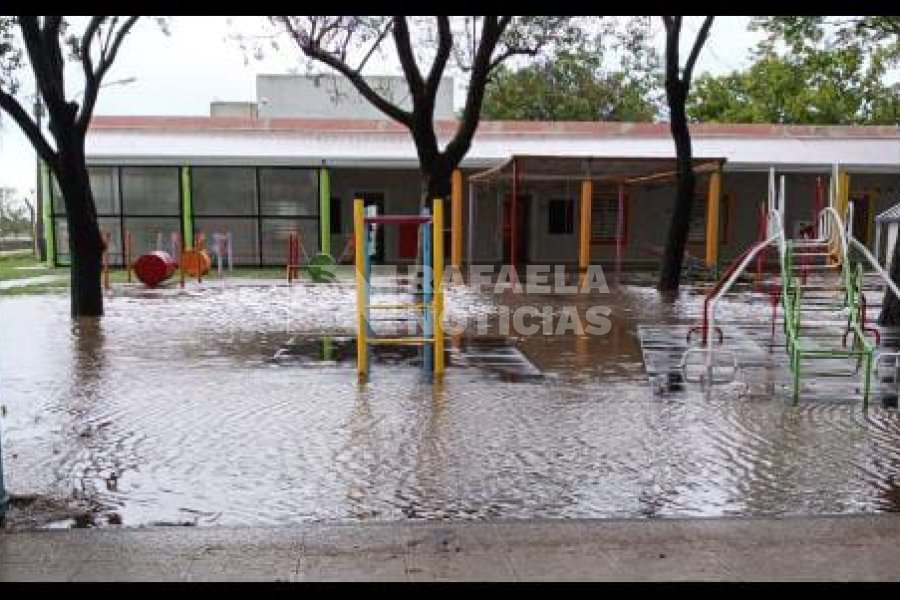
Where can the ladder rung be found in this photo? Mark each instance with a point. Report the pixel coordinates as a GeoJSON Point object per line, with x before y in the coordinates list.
{"type": "Point", "coordinates": [412, 341]}
{"type": "Point", "coordinates": [399, 306]}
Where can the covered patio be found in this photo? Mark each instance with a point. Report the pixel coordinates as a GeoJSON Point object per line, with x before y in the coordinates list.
{"type": "Point", "coordinates": [507, 181]}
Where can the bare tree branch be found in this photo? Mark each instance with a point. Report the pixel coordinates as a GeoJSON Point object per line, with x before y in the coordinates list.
{"type": "Point", "coordinates": [312, 49]}
{"type": "Point", "coordinates": [93, 83]}
{"type": "Point", "coordinates": [12, 107]}
{"type": "Point", "coordinates": [699, 41]}
{"type": "Point", "coordinates": [445, 45]}
{"type": "Point", "coordinates": [408, 60]}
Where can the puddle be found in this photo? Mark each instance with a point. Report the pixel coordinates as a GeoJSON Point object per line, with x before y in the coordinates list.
{"type": "Point", "coordinates": [224, 406]}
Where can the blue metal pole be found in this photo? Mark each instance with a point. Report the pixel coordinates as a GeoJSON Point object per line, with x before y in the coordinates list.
{"type": "Point", "coordinates": [4, 497]}
{"type": "Point", "coordinates": [427, 330]}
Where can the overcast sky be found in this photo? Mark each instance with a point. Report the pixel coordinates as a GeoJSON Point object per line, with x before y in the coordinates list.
{"type": "Point", "coordinates": [182, 73]}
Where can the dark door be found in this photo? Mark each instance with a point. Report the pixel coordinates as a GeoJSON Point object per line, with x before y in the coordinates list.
{"type": "Point", "coordinates": [375, 199]}
{"type": "Point", "coordinates": [523, 213]}
{"type": "Point", "coordinates": [861, 218]}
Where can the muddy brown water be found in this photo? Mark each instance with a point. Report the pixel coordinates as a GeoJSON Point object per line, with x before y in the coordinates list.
{"type": "Point", "coordinates": [171, 410]}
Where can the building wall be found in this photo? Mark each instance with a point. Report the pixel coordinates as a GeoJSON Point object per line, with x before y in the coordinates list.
{"type": "Point", "coordinates": [333, 97]}
{"type": "Point", "coordinates": [261, 205]}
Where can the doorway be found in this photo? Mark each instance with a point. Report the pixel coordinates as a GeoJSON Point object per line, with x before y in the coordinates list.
{"type": "Point", "coordinates": [523, 220]}
{"type": "Point", "coordinates": [375, 199]}
{"type": "Point", "coordinates": [861, 208]}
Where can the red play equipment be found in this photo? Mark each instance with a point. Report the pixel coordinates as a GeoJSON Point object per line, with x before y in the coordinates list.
{"type": "Point", "coordinates": [154, 267]}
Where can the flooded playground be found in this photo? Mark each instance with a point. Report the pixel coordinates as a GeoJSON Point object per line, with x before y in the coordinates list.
{"type": "Point", "coordinates": [239, 404]}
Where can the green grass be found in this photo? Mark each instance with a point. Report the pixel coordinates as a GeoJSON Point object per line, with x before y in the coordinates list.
{"type": "Point", "coordinates": [11, 268]}
{"type": "Point", "coordinates": [16, 266]}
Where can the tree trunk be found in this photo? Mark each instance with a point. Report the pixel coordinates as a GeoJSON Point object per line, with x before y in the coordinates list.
{"type": "Point", "coordinates": [85, 242]}
{"type": "Point", "coordinates": [890, 308]}
{"type": "Point", "coordinates": [679, 227]}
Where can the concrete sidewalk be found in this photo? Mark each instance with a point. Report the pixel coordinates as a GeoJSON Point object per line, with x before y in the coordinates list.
{"type": "Point", "coordinates": [863, 547]}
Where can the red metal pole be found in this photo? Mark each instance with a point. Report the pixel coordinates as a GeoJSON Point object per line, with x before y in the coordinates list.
{"type": "Point", "coordinates": [620, 230]}
{"type": "Point", "coordinates": [180, 250]}
{"type": "Point", "coordinates": [513, 214]}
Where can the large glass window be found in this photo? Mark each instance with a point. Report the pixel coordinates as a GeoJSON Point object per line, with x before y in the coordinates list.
{"type": "Point", "coordinates": [150, 191]}
{"type": "Point", "coordinates": [220, 191]}
{"type": "Point", "coordinates": [103, 188]}
{"type": "Point", "coordinates": [275, 235]}
{"type": "Point", "coordinates": [148, 234]}
{"type": "Point", "coordinates": [244, 236]}
{"type": "Point", "coordinates": [288, 192]}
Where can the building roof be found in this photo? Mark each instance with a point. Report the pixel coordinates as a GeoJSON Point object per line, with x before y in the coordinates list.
{"type": "Point", "coordinates": [384, 143]}
{"type": "Point", "coordinates": [591, 128]}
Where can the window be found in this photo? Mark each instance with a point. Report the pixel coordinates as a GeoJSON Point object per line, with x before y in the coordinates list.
{"type": "Point", "coordinates": [336, 225]}
{"type": "Point", "coordinates": [223, 191]}
{"type": "Point", "coordinates": [697, 231]}
{"type": "Point", "coordinates": [561, 217]}
{"type": "Point", "coordinates": [605, 218]}
{"type": "Point", "coordinates": [285, 191]}
{"type": "Point", "coordinates": [150, 191]}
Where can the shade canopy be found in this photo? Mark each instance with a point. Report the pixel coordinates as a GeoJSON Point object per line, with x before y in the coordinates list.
{"type": "Point", "coordinates": [625, 170]}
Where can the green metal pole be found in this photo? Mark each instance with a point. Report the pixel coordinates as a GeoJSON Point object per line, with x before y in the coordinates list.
{"type": "Point", "coordinates": [187, 209]}
{"type": "Point", "coordinates": [325, 210]}
{"type": "Point", "coordinates": [49, 225]}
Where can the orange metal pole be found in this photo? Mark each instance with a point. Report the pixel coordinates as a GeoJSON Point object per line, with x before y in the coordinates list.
{"type": "Point", "coordinates": [201, 246]}
{"type": "Point", "coordinates": [128, 255]}
{"type": "Point", "coordinates": [106, 239]}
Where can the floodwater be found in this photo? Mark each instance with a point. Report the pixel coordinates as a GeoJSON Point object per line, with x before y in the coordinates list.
{"type": "Point", "coordinates": [174, 410]}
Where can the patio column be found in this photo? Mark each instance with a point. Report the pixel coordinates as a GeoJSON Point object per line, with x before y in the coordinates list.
{"type": "Point", "coordinates": [325, 211]}
{"type": "Point", "coordinates": [187, 210]}
{"type": "Point", "coordinates": [584, 246]}
{"type": "Point", "coordinates": [456, 183]}
{"type": "Point", "coordinates": [712, 218]}
{"type": "Point", "coordinates": [49, 223]}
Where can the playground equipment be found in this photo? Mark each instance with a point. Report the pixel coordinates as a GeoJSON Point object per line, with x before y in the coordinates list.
{"type": "Point", "coordinates": [318, 266]}
{"type": "Point", "coordinates": [429, 302]}
{"type": "Point", "coordinates": [829, 306]}
{"type": "Point", "coordinates": [154, 267]}
{"type": "Point", "coordinates": [196, 261]}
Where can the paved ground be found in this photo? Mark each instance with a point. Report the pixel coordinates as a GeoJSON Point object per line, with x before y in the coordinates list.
{"type": "Point", "coordinates": [804, 548]}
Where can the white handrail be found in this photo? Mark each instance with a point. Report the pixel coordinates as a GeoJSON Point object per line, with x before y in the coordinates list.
{"type": "Point", "coordinates": [734, 275]}
{"type": "Point", "coordinates": [884, 274]}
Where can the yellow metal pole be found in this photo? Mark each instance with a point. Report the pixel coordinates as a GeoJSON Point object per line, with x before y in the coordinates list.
{"type": "Point", "coordinates": [359, 238]}
{"type": "Point", "coordinates": [456, 187]}
{"type": "Point", "coordinates": [438, 301]}
{"type": "Point", "coordinates": [712, 218]}
{"type": "Point", "coordinates": [584, 248]}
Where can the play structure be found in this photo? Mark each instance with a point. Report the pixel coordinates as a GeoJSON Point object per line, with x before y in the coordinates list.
{"type": "Point", "coordinates": [318, 266]}
{"type": "Point", "coordinates": [819, 286]}
{"type": "Point", "coordinates": [155, 267]}
{"type": "Point", "coordinates": [589, 197]}
{"type": "Point", "coordinates": [426, 302]}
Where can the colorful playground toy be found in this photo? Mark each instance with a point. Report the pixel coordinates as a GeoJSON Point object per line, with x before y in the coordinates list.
{"type": "Point", "coordinates": [195, 263]}
{"type": "Point", "coordinates": [427, 303]}
{"type": "Point", "coordinates": [154, 267]}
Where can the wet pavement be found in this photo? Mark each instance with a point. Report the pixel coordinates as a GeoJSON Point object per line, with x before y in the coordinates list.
{"type": "Point", "coordinates": [851, 548]}
{"type": "Point", "coordinates": [176, 410]}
